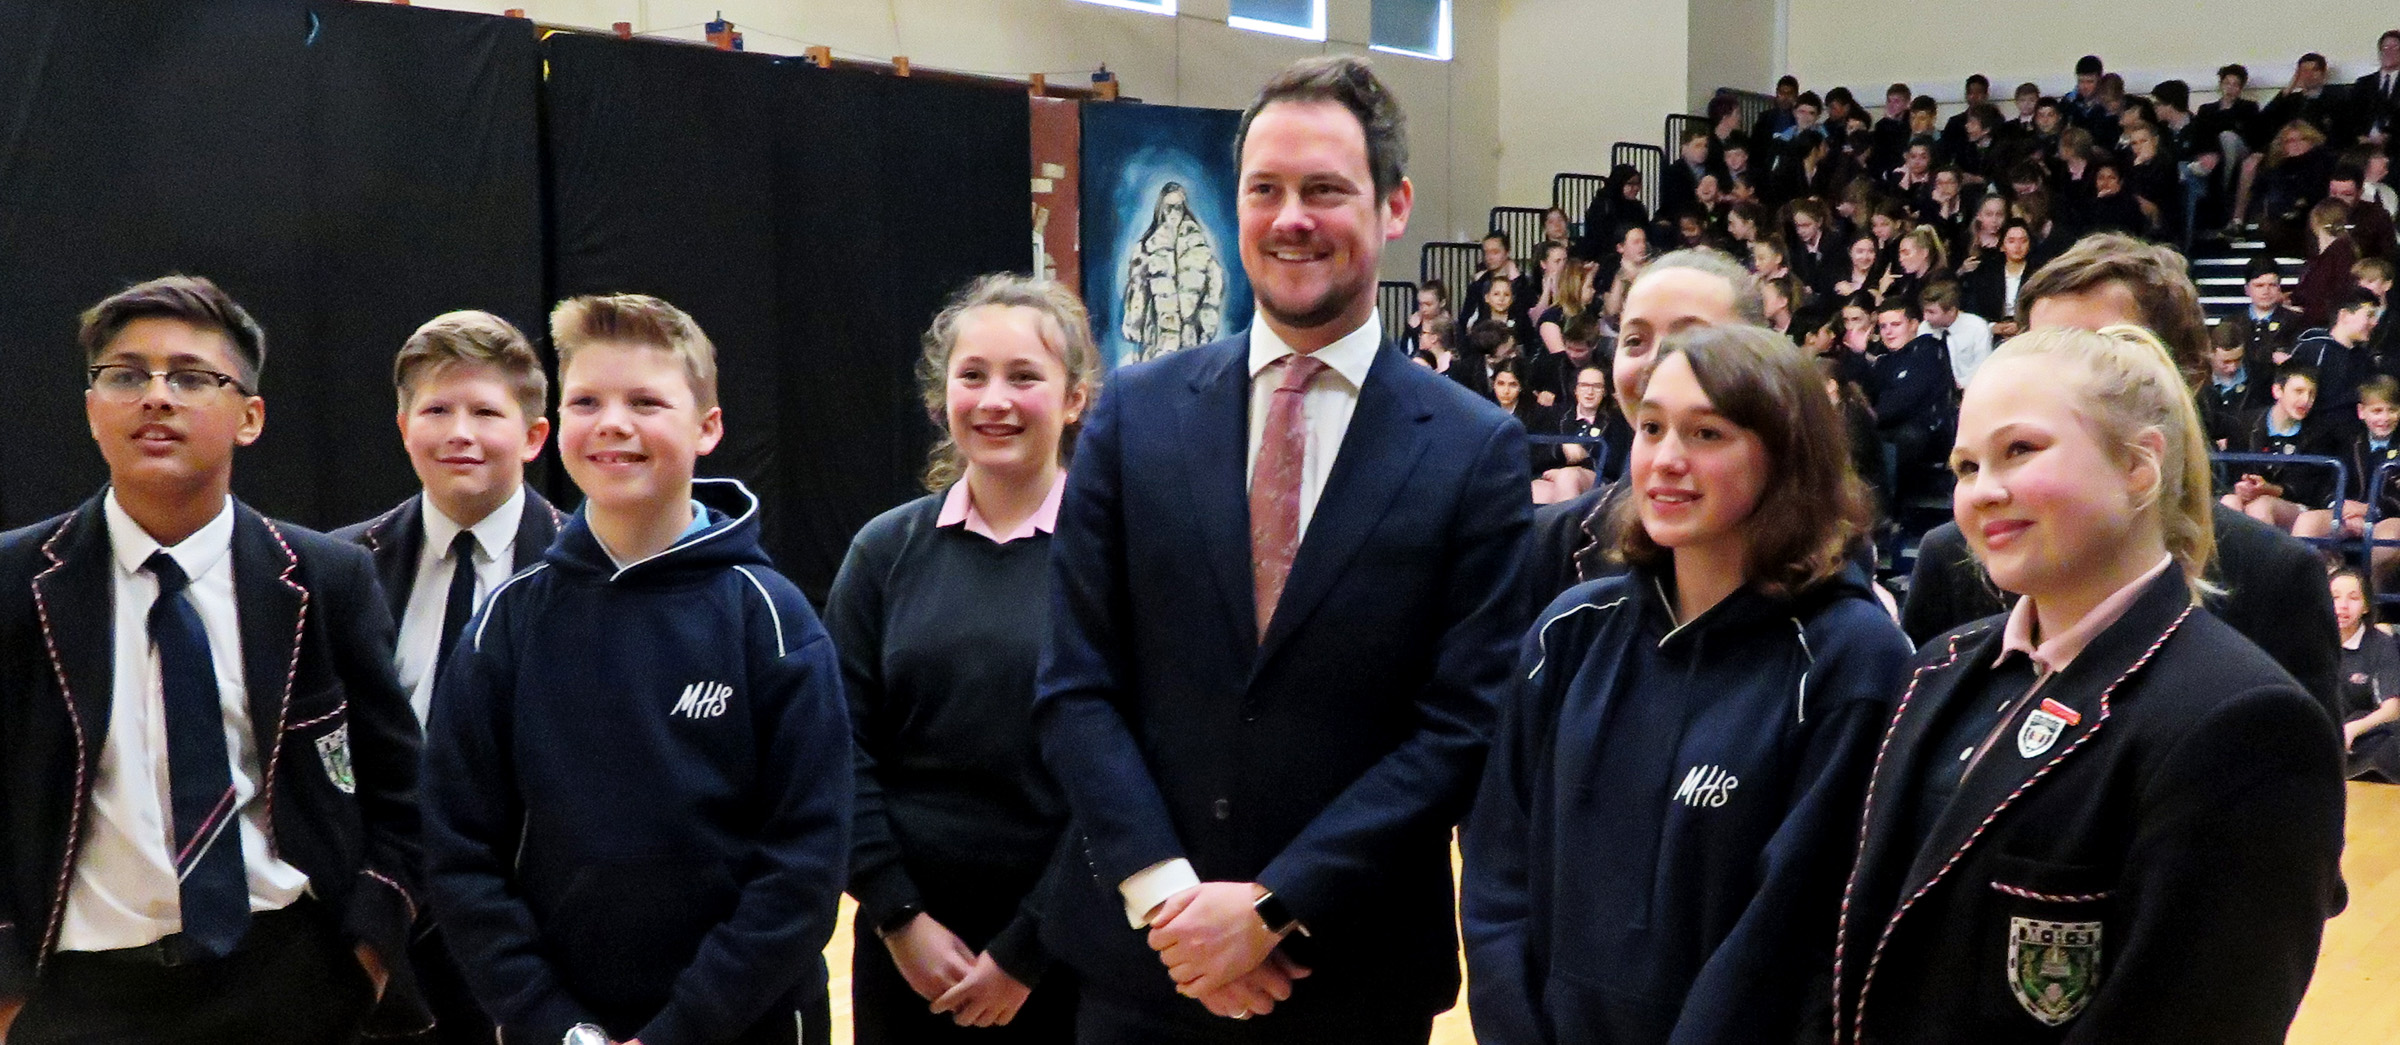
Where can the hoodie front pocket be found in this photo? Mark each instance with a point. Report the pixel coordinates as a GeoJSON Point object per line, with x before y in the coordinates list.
{"type": "Point", "coordinates": [623, 930]}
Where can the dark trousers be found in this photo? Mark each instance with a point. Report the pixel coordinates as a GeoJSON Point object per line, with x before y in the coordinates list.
{"type": "Point", "coordinates": [457, 1018]}
{"type": "Point", "coordinates": [293, 980]}
{"type": "Point", "coordinates": [2376, 756]}
{"type": "Point", "coordinates": [1103, 1021]}
{"type": "Point", "coordinates": [887, 1011]}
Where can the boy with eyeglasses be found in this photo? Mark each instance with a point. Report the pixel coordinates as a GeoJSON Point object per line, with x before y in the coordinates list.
{"type": "Point", "coordinates": [206, 766]}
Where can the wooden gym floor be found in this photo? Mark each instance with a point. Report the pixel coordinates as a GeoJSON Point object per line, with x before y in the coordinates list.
{"type": "Point", "coordinates": [2355, 997]}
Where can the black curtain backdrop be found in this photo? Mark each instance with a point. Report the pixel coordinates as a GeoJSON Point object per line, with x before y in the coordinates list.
{"type": "Point", "coordinates": [812, 222]}
{"type": "Point", "coordinates": [345, 170]}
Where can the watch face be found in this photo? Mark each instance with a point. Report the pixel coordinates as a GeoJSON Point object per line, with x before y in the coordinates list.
{"type": "Point", "coordinates": [586, 1034]}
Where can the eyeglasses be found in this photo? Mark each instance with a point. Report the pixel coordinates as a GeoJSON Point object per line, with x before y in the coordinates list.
{"type": "Point", "coordinates": [120, 383]}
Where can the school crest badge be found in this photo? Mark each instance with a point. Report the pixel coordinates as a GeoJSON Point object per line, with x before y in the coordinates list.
{"type": "Point", "coordinates": [333, 749]}
{"type": "Point", "coordinates": [2053, 967]}
{"type": "Point", "coordinates": [2040, 731]}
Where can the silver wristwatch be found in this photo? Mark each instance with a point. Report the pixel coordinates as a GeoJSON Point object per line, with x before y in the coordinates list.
{"type": "Point", "coordinates": [585, 1034]}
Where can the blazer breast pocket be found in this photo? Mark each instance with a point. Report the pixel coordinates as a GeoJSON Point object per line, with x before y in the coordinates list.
{"type": "Point", "coordinates": [318, 725]}
{"type": "Point", "coordinates": [2042, 939]}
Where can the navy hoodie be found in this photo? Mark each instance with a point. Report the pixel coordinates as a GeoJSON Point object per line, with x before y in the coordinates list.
{"type": "Point", "coordinates": [637, 790]}
{"type": "Point", "coordinates": [1658, 849]}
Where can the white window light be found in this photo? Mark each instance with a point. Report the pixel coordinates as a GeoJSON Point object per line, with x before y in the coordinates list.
{"type": "Point", "coordinates": [1156, 7]}
{"type": "Point", "coordinates": [1437, 49]}
{"type": "Point", "coordinates": [1314, 30]}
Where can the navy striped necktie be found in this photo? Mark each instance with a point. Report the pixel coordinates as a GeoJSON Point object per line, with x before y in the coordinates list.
{"type": "Point", "coordinates": [214, 889]}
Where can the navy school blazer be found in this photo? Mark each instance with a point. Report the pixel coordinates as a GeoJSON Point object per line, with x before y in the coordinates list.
{"type": "Point", "coordinates": [397, 537]}
{"type": "Point", "coordinates": [1328, 760]}
{"type": "Point", "coordinates": [317, 658]}
{"type": "Point", "coordinates": [2148, 854]}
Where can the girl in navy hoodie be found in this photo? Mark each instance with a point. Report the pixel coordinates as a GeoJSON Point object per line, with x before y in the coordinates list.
{"type": "Point", "coordinates": [1657, 851]}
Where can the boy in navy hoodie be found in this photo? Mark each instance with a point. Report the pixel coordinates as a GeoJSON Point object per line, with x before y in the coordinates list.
{"type": "Point", "coordinates": [638, 782]}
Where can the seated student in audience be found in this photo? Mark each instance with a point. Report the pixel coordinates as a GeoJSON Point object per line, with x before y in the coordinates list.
{"type": "Point", "coordinates": [2264, 579]}
{"type": "Point", "coordinates": [2074, 174]}
{"type": "Point", "coordinates": [1498, 267]}
{"type": "Point", "coordinates": [2232, 119]}
{"type": "Point", "coordinates": [2155, 181]}
{"type": "Point", "coordinates": [2277, 494]}
{"type": "Point", "coordinates": [638, 776]}
{"type": "Point", "coordinates": [1744, 224]}
{"type": "Point", "coordinates": [1915, 402]}
{"type": "Point", "coordinates": [2232, 394]}
{"type": "Point", "coordinates": [1814, 254]}
{"type": "Point", "coordinates": [1866, 272]}
{"type": "Point", "coordinates": [1856, 345]}
{"type": "Point", "coordinates": [1912, 180]}
{"type": "Point", "coordinates": [2269, 327]}
{"type": "Point", "coordinates": [1556, 229]}
{"type": "Point", "coordinates": [1742, 649]}
{"type": "Point", "coordinates": [2378, 185]}
{"type": "Point", "coordinates": [2370, 684]}
{"type": "Point", "coordinates": [2079, 102]}
{"type": "Point", "coordinates": [1944, 208]}
{"type": "Point", "coordinates": [2374, 99]}
{"type": "Point", "coordinates": [2104, 778]}
{"type": "Point", "coordinates": [1678, 184]}
{"type": "Point", "coordinates": [1979, 239]}
{"type": "Point", "coordinates": [2050, 123]}
{"type": "Point", "coordinates": [2369, 446]}
{"type": "Point", "coordinates": [1632, 257]}
{"type": "Point", "coordinates": [471, 416]}
{"type": "Point", "coordinates": [2028, 98]}
{"type": "Point", "coordinates": [1918, 259]}
{"type": "Point", "coordinates": [1805, 113]}
{"type": "Point", "coordinates": [2327, 271]}
{"type": "Point", "coordinates": [2306, 99]}
{"type": "Point", "coordinates": [1805, 168]}
{"type": "Point", "coordinates": [2289, 180]}
{"type": "Point", "coordinates": [1617, 207]}
{"type": "Point", "coordinates": [1992, 291]}
{"type": "Point", "coordinates": [1553, 260]}
{"type": "Point", "coordinates": [1965, 337]}
{"type": "Point", "coordinates": [937, 618]}
{"type": "Point", "coordinates": [1768, 261]}
{"type": "Point", "coordinates": [1977, 91]}
{"type": "Point", "coordinates": [2106, 117]}
{"type": "Point", "coordinates": [2370, 226]}
{"type": "Point", "coordinates": [2192, 149]}
{"type": "Point", "coordinates": [1778, 115]}
{"type": "Point", "coordinates": [1508, 390]}
{"type": "Point", "coordinates": [1490, 348]}
{"type": "Point", "coordinates": [170, 660]}
{"type": "Point", "coordinates": [1724, 116]}
{"type": "Point", "coordinates": [2112, 207]}
{"type": "Point", "coordinates": [1583, 416]}
{"type": "Point", "coordinates": [1433, 349]}
{"type": "Point", "coordinates": [2338, 353]}
{"type": "Point", "coordinates": [2374, 276]}
{"type": "Point", "coordinates": [1500, 305]}
{"type": "Point", "coordinates": [1779, 295]}
{"type": "Point", "coordinates": [1550, 372]}
{"type": "Point", "coordinates": [1890, 130]}
{"type": "Point", "coordinates": [1858, 422]}
{"type": "Point", "coordinates": [1433, 309]}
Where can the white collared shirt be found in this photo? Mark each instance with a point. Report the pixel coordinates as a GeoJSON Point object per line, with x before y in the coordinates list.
{"type": "Point", "coordinates": [419, 645]}
{"type": "Point", "coordinates": [1969, 337]}
{"type": "Point", "coordinates": [1325, 409]}
{"type": "Point", "coordinates": [124, 891]}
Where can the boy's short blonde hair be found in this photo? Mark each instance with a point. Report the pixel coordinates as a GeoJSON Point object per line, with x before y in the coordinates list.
{"type": "Point", "coordinates": [639, 320]}
{"type": "Point", "coordinates": [475, 339]}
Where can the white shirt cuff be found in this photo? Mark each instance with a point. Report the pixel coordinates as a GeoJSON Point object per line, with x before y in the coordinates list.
{"type": "Point", "coordinates": [1152, 885]}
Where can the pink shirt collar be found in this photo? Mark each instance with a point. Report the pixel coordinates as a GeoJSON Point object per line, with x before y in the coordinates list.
{"type": "Point", "coordinates": [2055, 652]}
{"type": "Point", "coordinates": [958, 507]}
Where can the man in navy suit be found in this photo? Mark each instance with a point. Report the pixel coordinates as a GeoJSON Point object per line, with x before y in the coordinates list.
{"type": "Point", "coordinates": [207, 769]}
{"type": "Point", "coordinates": [1284, 610]}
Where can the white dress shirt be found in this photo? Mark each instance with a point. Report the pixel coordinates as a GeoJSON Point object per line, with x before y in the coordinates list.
{"type": "Point", "coordinates": [124, 892]}
{"type": "Point", "coordinates": [420, 640]}
{"type": "Point", "coordinates": [1970, 340]}
{"type": "Point", "coordinates": [1325, 412]}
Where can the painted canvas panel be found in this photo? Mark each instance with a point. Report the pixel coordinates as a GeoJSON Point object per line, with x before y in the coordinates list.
{"type": "Point", "coordinates": [1057, 190]}
{"type": "Point", "coordinates": [1161, 269]}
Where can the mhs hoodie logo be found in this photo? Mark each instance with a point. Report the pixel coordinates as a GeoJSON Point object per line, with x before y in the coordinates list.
{"type": "Point", "coordinates": [703, 700]}
{"type": "Point", "coordinates": [1706, 787]}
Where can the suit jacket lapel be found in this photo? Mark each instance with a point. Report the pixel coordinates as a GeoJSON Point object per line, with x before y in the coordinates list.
{"type": "Point", "coordinates": [273, 609]}
{"type": "Point", "coordinates": [1216, 438]}
{"type": "Point", "coordinates": [1379, 450]}
{"type": "Point", "coordinates": [395, 541]}
{"type": "Point", "coordinates": [75, 596]}
{"type": "Point", "coordinates": [535, 530]}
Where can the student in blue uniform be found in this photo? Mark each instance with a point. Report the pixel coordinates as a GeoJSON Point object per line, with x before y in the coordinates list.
{"type": "Point", "coordinates": [638, 769]}
{"type": "Point", "coordinates": [938, 615]}
{"type": "Point", "coordinates": [1657, 849]}
{"type": "Point", "coordinates": [2371, 446]}
{"type": "Point", "coordinates": [2101, 816]}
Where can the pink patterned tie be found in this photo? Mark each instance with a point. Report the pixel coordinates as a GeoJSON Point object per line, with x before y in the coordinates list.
{"type": "Point", "coordinates": [1275, 487]}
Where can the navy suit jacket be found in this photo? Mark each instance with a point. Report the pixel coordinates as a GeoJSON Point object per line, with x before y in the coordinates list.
{"type": "Point", "coordinates": [1329, 761]}
{"type": "Point", "coordinates": [317, 656]}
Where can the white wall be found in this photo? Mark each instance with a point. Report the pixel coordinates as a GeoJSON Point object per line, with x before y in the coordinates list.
{"type": "Point", "coordinates": [1732, 45]}
{"type": "Point", "coordinates": [1191, 59]}
{"type": "Point", "coordinates": [1576, 75]}
{"type": "Point", "coordinates": [1933, 44]}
